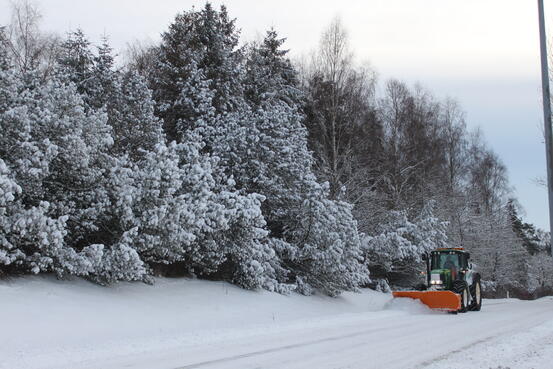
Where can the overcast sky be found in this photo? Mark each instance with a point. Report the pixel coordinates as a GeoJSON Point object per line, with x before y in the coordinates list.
{"type": "Point", "coordinates": [483, 53]}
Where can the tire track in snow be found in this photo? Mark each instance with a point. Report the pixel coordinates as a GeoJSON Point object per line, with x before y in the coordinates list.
{"type": "Point", "coordinates": [284, 348]}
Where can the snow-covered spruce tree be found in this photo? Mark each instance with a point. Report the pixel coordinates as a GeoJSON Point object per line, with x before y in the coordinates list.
{"type": "Point", "coordinates": [326, 253]}
{"type": "Point", "coordinates": [199, 47]}
{"type": "Point", "coordinates": [496, 250]}
{"type": "Point", "coordinates": [8, 82]}
{"type": "Point", "coordinates": [30, 241]}
{"type": "Point", "coordinates": [123, 95]}
{"type": "Point", "coordinates": [315, 238]}
{"type": "Point", "coordinates": [176, 210]}
{"type": "Point", "coordinates": [270, 77]}
{"type": "Point", "coordinates": [75, 63]}
{"type": "Point", "coordinates": [399, 246]}
{"type": "Point", "coordinates": [57, 151]}
{"type": "Point", "coordinates": [92, 72]}
{"type": "Point", "coordinates": [169, 204]}
{"type": "Point", "coordinates": [170, 207]}
{"type": "Point", "coordinates": [322, 235]}
{"type": "Point", "coordinates": [532, 238]}
{"type": "Point", "coordinates": [104, 78]}
{"type": "Point", "coordinates": [73, 146]}
{"type": "Point", "coordinates": [540, 272]}
{"type": "Point", "coordinates": [130, 110]}
{"type": "Point", "coordinates": [4, 58]}
{"type": "Point", "coordinates": [268, 140]}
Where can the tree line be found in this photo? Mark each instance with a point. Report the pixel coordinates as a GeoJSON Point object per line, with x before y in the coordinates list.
{"type": "Point", "coordinates": [203, 156]}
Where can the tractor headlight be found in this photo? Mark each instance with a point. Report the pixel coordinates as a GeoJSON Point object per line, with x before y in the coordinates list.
{"type": "Point", "coordinates": [435, 279]}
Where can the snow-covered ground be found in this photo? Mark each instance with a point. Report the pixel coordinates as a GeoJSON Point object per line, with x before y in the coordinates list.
{"type": "Point", "coordinates": [179, 323]}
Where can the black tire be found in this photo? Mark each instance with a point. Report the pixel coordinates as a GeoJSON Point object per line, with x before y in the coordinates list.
{"type": "Point", "coordinates": [462, 289]}
{"type": "Point", "coordinates": [476, 293]}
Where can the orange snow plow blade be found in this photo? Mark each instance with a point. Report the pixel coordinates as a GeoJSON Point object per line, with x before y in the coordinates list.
{"type": "Point", "coordinates": [442, 300]}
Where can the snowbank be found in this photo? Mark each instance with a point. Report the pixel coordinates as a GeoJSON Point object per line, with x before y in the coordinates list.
{"type": "Point", "coordinates": [52, 322]}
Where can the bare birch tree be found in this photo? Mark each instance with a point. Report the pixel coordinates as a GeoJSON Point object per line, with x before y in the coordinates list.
{"type": "Point", "coordinates": [29, 48]}
{"type": "Point", "coordinates": [340, 106]}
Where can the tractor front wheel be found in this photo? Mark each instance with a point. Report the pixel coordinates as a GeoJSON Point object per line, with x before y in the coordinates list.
{"type": "Point", "coordinates": [462, 289]}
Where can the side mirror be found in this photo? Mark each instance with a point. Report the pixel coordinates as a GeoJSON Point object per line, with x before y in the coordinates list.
{"type": "Point", "coordinates": [468, 255]}
{"type": "Point", "coordinates": [470, 265]}
{"type": "Point", "coordinates": [424, 257]}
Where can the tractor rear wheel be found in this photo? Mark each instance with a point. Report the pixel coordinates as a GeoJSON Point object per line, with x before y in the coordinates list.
{"type": "Point", "coordinates": [476, 292]}
{"type": "Point", "coordinates": [462, 289]}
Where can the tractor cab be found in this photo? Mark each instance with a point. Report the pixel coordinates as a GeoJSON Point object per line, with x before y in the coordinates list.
{"type": "Point", "coordinates": [445, 266]}
{"type": "Point", "coordinates": [452, 261]}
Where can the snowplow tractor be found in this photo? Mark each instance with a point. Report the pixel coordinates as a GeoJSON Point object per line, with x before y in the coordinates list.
{"type": "Point", "coordinates": [451, 282]}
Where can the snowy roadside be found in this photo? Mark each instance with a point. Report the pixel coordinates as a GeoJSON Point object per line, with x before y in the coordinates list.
{"type": "Point", "coordinates": [183, 323]}
{"type": "Point", "coordinates": [529, 349]}
{"type": "Point", "coordinates": [69, 322]}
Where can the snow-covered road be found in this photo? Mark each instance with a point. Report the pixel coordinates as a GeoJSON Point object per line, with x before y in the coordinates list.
{"type": "Point", "coordinates": [195, 324]}
{"type": "Point", "coordinates": [387, 339]}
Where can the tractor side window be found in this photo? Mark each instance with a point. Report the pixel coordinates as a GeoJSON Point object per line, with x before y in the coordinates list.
{"type": "Point", "coordinates": [435, 264]}
{"type": "Point", "coordinates": [464, 261]}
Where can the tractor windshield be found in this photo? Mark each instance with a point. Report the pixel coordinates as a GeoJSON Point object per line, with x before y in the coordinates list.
{"type": "Point", "coordinates": [445, 261]}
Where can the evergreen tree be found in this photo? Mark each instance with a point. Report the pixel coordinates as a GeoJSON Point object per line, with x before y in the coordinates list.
{"type": "Point", "coordinates": [268, 154]}
{"type": "Point", "coordinates": [130, 110]}
{"type": "Point", "coordinates": [526, 232]}
{"type": "Point", "coordinates": [402, 242]}
{"type": "Point", "coordinates": [270, 77]}
{"type": "Point", "coordinates": [105, 80]}
{"type": "Point", "coordinates": [30, 241]}
{"type": "Point", "coordinates": [4, 58]}
{"type": "Point", "coordinates": [328, 254]}
{"type": "Point", "coordinates": [198, 52]}
{"type": "Point", "coordinates": [123, 95]}
{"type": "Point", "coordinates": [175, 209]}
{"type": "Point", "coordinates": [57, 153]}
{"type": "Point", "coordinates": [75, 63]}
